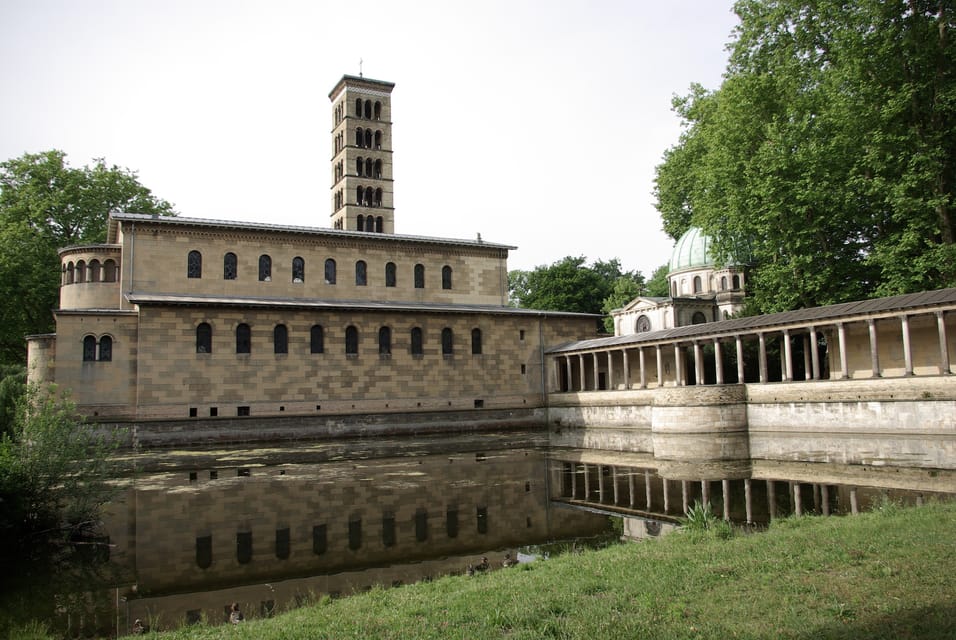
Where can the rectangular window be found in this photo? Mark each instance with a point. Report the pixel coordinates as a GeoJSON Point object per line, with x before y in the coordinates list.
{"type": "Point", "coordinates": [319, 539]}
{"type": "Point", "coordinates": [388, 530]}
{"type": "Point", "coordinates": [482, 519]}
{"type": "Point", "coordinates": [282, 543]}
{"type": "Point", "coordinates": [451, 522]}
{"type": "Point", "coordinates": [242, 411]}
{"type": "Point", "coordinates": [244, 547]}
{"type": "Point", "coordinates": [204, 552]}
{"type": "Point", "coordinates": [355, 534]}
{"type": "Point", "coordinates": [421, 525]}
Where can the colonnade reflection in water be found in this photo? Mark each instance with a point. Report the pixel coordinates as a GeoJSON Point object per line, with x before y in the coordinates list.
{"type": "Point", "coordinates": [274, 527]}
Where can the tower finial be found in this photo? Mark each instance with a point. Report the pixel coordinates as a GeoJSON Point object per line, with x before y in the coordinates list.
{"type": "Point", "coordinates": [360, 68]}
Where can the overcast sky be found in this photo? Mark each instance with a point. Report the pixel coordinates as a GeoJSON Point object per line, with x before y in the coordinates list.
{"type": "Point", "coordinates": [535, 123]}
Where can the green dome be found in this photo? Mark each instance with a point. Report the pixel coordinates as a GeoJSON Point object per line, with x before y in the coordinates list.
{"type": "Point", "coordinates": [692, 251]}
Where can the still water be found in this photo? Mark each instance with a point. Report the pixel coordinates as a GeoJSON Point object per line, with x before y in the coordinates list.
{"type": "Point", "coordinates": [273, 527]}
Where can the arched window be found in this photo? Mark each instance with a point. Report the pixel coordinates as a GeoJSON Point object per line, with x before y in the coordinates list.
{"type": "Point", "coordinates": [378, 110]}
{"type": "Point", "coordinates": [361, 222]}
{"type": "Point", "coordinates": [378, 139]}
{"type": "Point", "coordinates": [368, 109]}
{"type": "Point", "coordinates": [698, 318]}
{"type": "Point", "coordinates": [377, 172]}
{"type": "Point", "coordinates": [446, 277]}
{"type": "Point", "coordinates": [476, 341]}
{"type": "Point", "coordinates": [316, 339]}
{"type": "Point", "coordinates": [390, 274]}
{"type": "Point", "coordinates": [384, 341]}
{"type": "Point", "coordinates": [358, 107]}
{"type": "Point", "coordinates": [378, 198]}
{"type": "Point", "coordinates": [368, 167]}
{"type": "Point", "coordinates": [369, 224]}
{"type": "Point", "coordinates": [280, 339]}
{"type": "Point", "coordinates": [723, 283]}
{"type": "Point", "coordinates": [298, 269]}
{"type": "Point", "coordinates": [89, 349]}
{"type": "Point", "coordinates": [359, 137]}
{"type": "Point", "coordinates": [204, 338]}
{"type": "Point", "coordinates": [80, 272]}
{"type": "Point", "coordinates": [330, 271]}
{"type": "Point", "coordinates": [369, 194]}
{"type": "Point", "coordinates": [109, 271]}
{"type": "Point", "coordinates": [673, 289]}
{"type": "Point", "coordinates": [351, 341]}
{"type": "Point", "coordinates": [419, 276]}
{"type": "Point", "coordinates": [243, 339]}
{"type": "Point", "coordinates": [368, 138]}
{"type": "Point", "coordinates": [94, 270]}
{"type": "Point", "coordinates": [643, 324]}
{"type": "Point", "coordinates": [229, 266]}
{"type": "Point", "coordinates": [106, 349]}
{"type": "Point", "coordinates": [194, 265]}
{"type": "Point", "coordinates": [447, 344]}
{"type": "Point", "coordinates": [697, 284]}
{"type": "Point", "coordinates": [417, 342]}
{"type": "Point", "coordinates": [359, 166]}
{"type": "Point", "coordinates": [361, 274]}
{"type": "Point", "coordinates": [69, 272]}
{"type": "Point", "coordinates": [378, 224]}
{"type": "Point", "coordinates": [359, 195]}
{"type": "Point", "coordinates": [265, 268]}
{"type": "Point", "coordinates": [736, 282]}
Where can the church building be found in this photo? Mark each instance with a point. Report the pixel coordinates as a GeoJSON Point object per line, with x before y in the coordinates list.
{"type": "Point", "coordinates": [701, 290]}
{"type": "Point", "coordinates": [189, 318]}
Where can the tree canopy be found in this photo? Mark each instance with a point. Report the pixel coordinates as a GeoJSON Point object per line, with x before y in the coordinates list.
{"type": "Point", "coordinates": [571, 285]}
{"type": "Point", "coordinates": [46, 205]}
{"type": "Point", "coordinates": [828, 151]}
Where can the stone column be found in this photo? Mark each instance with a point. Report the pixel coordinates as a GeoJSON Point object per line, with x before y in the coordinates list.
{"type": "Point", "coordinates": [660, 366]}
{"type": "Point", "coordinates": [574, 480]}
{"type": "Point", "coordinates": [787, 355]}
{"type": "Point", "coordinates": [705, 494]}
{"type": "Point", "coordinates": [630, 489]}
{"type": "Point", "coordinates": [597, 377]}
{"type": "Point", "coordinates": [627, 371]}
{"type": "Point", "coordinates": [616, 493]}
{"type": "Point", "coordinates": [740, 359]}
{"type": "Point", "coordinates": [814, 353]}
{"type": "Point", "coordinates": [907, 347]}
{"type": "Point", "coordinates": [667, 499]}
{"type": "Point", "coordinates": [683, 495]}
{"type": "Point", "coordinates": [748, 501]}
{"type": "Point", "coordinates": [610, 370]}
{"type": "Point", "coordinates": [797, 500]}
{"type": "Point", "coordinates": [647, 489]}
{"type": "Point", "coordinates": [698, 365]}
{"type": "Point", "coordinates": [642, 363]}
{"type": "Point", "coordinates": [678, 373]}
{"type": "Point", "coordinates": [567, 362]}
{"type": "Point", "coordinates": [587, 483]}
{"type": "Point", "coordinates": [943, 344]}
{"type": "Point", "coordinates": [584, 385]}
{"type": "Point", "coordinates": [874, 348]}
{"type": "Point", "coordinates": [807, 371]}
{"type": "Point", "coordinates": [762, 357]}
{"type": "Point", "coordinates": [825, 499]}
{"type": "Point", "coordinates": [725, 489]}
{"type": "Point", "coordinates": [718, 362]}
{"type": "Point", "coordinates": [854, 505]}
{"type": "Point", "coordinates": [844, 366]}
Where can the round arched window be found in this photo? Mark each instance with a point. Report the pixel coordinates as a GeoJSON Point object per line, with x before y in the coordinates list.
{"type": "Point", "coordinates": [643, 324]}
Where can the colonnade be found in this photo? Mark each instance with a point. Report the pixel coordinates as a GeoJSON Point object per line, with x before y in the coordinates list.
{"type": "Point", "coordinates": [646, 361]}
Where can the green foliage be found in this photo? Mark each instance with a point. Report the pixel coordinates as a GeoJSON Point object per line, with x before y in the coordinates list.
{"type": "Point", "coordinates": [569, 285]}
{"type": "Point", "coordinates": [13, 380]}
{"type": "Point", "coordinates": [624, 290]}
{"type": "Point", "coordinates": [829, 149]}
{"type": "Point", "coordinates": [46, 205]}
{"type": "Point", "coordinates": [54, 473]}
{"type": "Point", "coordinates": [657, 286]}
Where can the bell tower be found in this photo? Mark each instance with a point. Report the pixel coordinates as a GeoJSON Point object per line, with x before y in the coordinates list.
{"type": "Point", "coordinates": [362, 196]}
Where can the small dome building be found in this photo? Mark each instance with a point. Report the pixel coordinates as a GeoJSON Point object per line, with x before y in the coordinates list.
{"type": "Point", "coordinates": [701, 290]}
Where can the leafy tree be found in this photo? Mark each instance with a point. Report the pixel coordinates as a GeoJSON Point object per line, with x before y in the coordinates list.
{"type": "Point", "coordinates": [13, 379]}
{"type": "Point", "coordinates": [657, 286]}
{"type": "Point", "coordinates": [568, 285]}
{"type": "Point", "coordinates": [829, 149]}
{"type": "Point", "coordinates": [46, 205]}
{"type": "Point", "coordinates": [624, 290]}
{"type": "Point", "coordinates": [54, 474]}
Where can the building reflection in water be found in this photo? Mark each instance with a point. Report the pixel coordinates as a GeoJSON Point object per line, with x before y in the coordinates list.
{"type": "Point", "coordinates": [273, 527]}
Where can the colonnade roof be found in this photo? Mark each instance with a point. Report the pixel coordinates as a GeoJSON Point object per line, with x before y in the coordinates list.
{"type": "Point", "coordinates": [924, 302]}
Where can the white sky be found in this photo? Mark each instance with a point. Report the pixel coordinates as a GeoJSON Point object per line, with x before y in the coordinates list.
{"type": "Point", "coordinates": [537, 123]}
